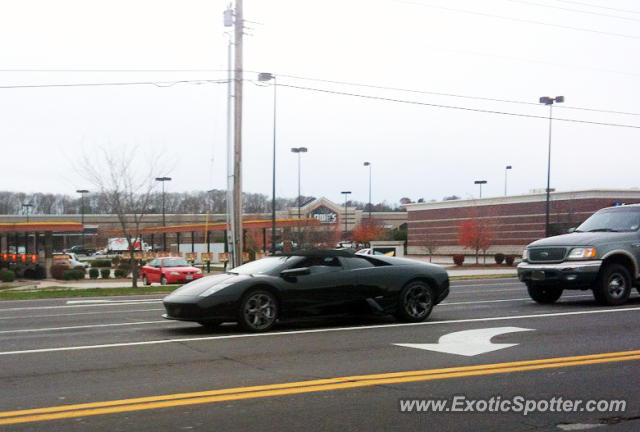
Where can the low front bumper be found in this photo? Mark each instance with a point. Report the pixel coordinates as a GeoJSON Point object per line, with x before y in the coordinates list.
{"type": "Point", "coordinates": [570, 274]}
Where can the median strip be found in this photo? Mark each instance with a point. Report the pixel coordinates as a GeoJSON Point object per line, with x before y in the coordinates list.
{"type": "Point", "coordinates": [300, 387]}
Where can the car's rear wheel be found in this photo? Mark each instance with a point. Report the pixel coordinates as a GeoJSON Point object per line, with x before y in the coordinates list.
{"type": "Point", "coordinates": [258, 311]}
{"type": "Point", "coordinates": [544, 294]}
{"type": "Point", "coordinates": [163, 280]}
{"type": "Point", "coordinates": [145, 280]}
{"type": "Point", "coordinates": [613, 285]}
{"type": "Point", "coordinates": [415, 302]}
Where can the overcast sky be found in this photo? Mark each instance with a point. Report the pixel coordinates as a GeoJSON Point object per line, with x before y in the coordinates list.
{"type": "Point", "coordinates": [510, 50]}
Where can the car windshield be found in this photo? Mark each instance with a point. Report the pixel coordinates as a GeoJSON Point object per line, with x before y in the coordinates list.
{"type": "Point", "coordinates": [265, 265]}
{"type": "Point", "coordinates": [175, 262]}
{"type": "Point", "coordinates": [613, 220]}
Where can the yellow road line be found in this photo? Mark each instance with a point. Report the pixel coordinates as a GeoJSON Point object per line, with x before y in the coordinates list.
{"type": "Point", "coordinates": [183, 399]}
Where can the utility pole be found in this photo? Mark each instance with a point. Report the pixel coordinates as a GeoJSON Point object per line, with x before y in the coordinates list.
{"type": "Point", "coordinates": [237, 153]}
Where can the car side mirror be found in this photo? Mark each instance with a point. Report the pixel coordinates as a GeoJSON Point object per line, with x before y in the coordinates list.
{"type": "Point", "coordinates": [294, 272]}
{"type": "Point", "coordinates": [570, 230]}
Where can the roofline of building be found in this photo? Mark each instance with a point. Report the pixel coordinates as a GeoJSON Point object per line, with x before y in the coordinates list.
{"type": "Point", "coordinates": [527, 198]}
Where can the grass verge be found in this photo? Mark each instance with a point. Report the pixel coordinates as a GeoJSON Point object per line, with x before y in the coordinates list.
{"type": "Point", "coordinates": [493, 276]}
{"type": "Point", "coordinates": [64, 292]}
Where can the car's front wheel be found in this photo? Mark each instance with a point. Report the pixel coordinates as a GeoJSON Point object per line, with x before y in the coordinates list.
{"type": "Point", "coordinates": [415, 303]}
{"type": "Point", "coordinates": [258, 311]}
{"type": "Point", "coordinates": [613, 285]}
{"type": "Point", "coordinates": [544, 294]}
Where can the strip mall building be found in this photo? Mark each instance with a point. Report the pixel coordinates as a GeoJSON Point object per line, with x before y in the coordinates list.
{"type": "Point", "coordinates": [513, 221]}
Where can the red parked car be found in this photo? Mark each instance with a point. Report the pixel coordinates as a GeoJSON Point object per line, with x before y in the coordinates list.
{"type": "Point", "coordinates": [169, 270]}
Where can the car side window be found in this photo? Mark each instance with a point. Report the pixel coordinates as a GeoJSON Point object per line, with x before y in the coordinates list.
{"type": "Point", "coordinates": [153, 263]}
{"type": "Point", "coordinates": [318, 261]}
{"type": "Point", "coordinates": [352, 263]}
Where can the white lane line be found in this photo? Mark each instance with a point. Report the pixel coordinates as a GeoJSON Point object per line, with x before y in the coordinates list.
{"type": "Point", "coordinates": [101, 304]}
{"type": "Point", "coordinates": [454, 285]}
{"type": "Point", "coordinates": [80, 313]}
{"type": "Point", "coordinates": [86, 302]}
{"type": "Point", "coordinates": [505, 300]}
{"type": "Point", "coordinates": [84, 327]}
{"type": "Point", "coordinates": [329, 330]}
{"type": "Point", "coordinates": [486, 291]}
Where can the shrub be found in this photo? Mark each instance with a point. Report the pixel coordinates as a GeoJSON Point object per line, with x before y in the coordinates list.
{"type": "Point", "coordinates": [458, 259]}
{"type": "Point", "coordinates": [57, 270]}
{"type": "Point", "coordinates": [103, 263]}
{"type": "Point", "coordinates": [39, 272]}
{"type": "Point", "coordinates": [124, 268]}
{"type": "Point", "coordinates": [115, 260]}
{"type": "Point", "coordinates": [79, 273]}
{"type": "Point", "coordinates": [105, 273]}
{"type": "Point", "coordinates": [7, 276]}
{"type": "Point", "coordinates": [121, 273]}
{"type": "Point", "coordinates": [509, 259]}
{"type": "Point", "coordinates": [94, 273]}
{"type": "Point", "coordinates": [69, 275]}
{"type": "Point", "coordinates": [499, 257]}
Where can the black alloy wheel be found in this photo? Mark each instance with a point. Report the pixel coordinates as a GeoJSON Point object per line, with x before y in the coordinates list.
{"type": "Point", "coordinates": [416, 302]}
{"type": "Point", "coordinates": [258, 311]}
{"type": "Point", "coordinates": [613, 285]}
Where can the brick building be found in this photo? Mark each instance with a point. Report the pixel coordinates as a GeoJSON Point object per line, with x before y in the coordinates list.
{"type": "Point", "coordinates": [513, 221]}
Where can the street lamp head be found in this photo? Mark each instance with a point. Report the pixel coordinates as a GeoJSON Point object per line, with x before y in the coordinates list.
{"type": "Point", "coordinates": [367, 164]}
{"type": "Point", "coordinates": [265, 76]}
{"type": "Point", "coordinates": [508, 167]}
{"type": "Point", "coordinates": [163, 178]}
{"type": "Point", "coordinates": [299, 149]}
{"type": "Point", "coordinates": [345, 192]}
{"type": "Point", "coordinates": [549, 100]}
{"type": "Point", "coordinates": [82, 191]}
{"type": "Point", "coordinates": [480, 182]}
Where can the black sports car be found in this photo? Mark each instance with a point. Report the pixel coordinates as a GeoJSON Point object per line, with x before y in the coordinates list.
{"type": "Point", "coordinates": [311, 283]}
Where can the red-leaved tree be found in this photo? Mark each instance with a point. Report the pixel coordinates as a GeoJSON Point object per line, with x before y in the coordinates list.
{"type": "Point", "coordinates": [366, 232]}
{"type": "Point", "coordinates": [476, 235]}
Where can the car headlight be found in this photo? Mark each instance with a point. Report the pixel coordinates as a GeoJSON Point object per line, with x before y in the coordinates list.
{"type": "Point", "coordinates": [174, 274]}
{"type": "Point", "coordinates": [525, 255]}
{"type": "Point", "coordinates": [582, 253]}
{"type": "Point", "coordinates": [199, 271]}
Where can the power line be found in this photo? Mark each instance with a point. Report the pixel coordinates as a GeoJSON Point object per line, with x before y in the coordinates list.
{"type": "Point", "coordinates": [505, 113]}
{"type": "Point", "coordinates": [599, 7]}
{"type": "Point", "coordinates": [574, 10]}
{"type": "Point", "coordinates": [520, 20]}
{"type": "Point", "coordinates": [379, 87]}
{"type": "Point", "coordinates": [152, 83]}
{"type": "Point", "coordinates": [109, 70]}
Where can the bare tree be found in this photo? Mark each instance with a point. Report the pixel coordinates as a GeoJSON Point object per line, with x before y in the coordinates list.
{"type": "Point", "coordinates": [126, 186]}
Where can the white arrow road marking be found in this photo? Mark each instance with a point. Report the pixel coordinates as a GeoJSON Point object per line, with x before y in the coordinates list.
{"type": "Point", "coordinates": [469, 342]}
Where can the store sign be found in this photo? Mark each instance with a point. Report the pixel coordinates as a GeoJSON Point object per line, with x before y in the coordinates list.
{"type": "Point", "coordinates": [324, 215]}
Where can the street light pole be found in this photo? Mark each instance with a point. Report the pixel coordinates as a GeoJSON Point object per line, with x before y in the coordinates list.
{"type": "Point", "coordinates": [346, 194]}
{"type": "Point", "coordinates": [369, 165]}
{"type": "Point", "coordinates": [299, 150]}
{"type": "Point", "coordinates": [549, 101]}
{"type": "Point", "coordinates": [480, 182]}
{"type": "Point", "coordinates": [164, 223]}
{"type": "Point", "coordinates": [507, 168]}
{"type": "Point", "coordinates": [28, 206]}
{"type": "Point", "coordinates": [265, 76]}
{"type": "Point", "coordinates": [82, 192]}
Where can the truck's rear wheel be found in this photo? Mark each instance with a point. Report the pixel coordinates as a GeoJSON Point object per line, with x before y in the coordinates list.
{"type": "Point", "coordinates": [613, 285]}
{"type": "Point", "coordinates": [544, 294]}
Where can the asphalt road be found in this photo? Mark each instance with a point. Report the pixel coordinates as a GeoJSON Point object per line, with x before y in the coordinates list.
{"type": "Point", "coordinates": [57, 354]}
